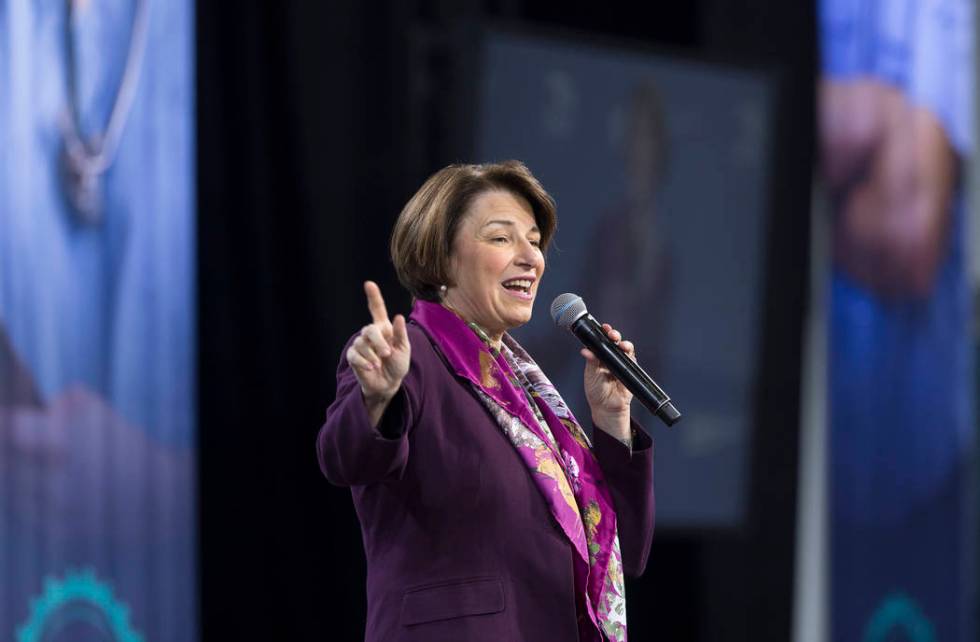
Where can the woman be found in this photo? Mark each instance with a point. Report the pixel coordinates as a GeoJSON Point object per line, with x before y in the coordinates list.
{"type": "Point", "coordinates": [486, 511]}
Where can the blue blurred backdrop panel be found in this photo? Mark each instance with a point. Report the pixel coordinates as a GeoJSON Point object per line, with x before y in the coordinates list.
{"type": "Point", "coordinates": [97, 318]}
{"type": "Point", "coordinates": [900, 364]}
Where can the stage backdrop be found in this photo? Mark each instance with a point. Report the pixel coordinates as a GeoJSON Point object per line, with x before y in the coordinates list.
{"type": "Point", "coordinates": [895, 130]}
{"type": "Point", "coordinates": [97, 492]}
{"type": "Point", "coordinates": [660, 167]}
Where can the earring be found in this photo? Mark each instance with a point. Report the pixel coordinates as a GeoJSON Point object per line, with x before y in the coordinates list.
{"type": "Point", "coordinates": [442, 290]}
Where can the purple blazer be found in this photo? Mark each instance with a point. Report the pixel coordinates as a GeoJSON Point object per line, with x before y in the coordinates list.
{"type": "Point", "coordinates": [460, 543]}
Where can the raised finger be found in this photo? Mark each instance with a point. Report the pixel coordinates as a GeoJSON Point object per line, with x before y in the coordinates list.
{"type": "Point", "coordinates": [399, 333]}
{"type": "Point", "coordinates": [376, 304]}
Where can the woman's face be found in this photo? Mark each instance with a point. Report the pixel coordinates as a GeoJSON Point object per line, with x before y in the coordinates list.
{"type": "Point", "coordinates": [497, 263]}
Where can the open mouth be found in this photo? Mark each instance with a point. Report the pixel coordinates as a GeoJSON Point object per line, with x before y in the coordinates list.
{"type": "Point", "coordinates": [521, 286]}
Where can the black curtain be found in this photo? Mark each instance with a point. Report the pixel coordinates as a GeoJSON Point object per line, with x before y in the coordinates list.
{"type": "Point", "coordinates": [299, 180]}
{"type": "Point", "coordinates": [315, 123]}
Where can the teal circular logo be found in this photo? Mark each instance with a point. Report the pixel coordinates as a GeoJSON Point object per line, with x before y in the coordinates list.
{"type": "Point", "coordinates": [78, 597]}
{"type": "Point", "coordinates": [898, 613]}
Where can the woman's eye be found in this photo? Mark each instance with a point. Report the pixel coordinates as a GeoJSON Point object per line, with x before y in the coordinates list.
{"type": "Point", "coordinates": [498, 239]}
{"type": "Point", "coordinates": [536, 243]}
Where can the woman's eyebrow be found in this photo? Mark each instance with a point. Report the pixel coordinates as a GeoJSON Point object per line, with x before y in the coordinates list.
{"type": "Point", "coordinates": [510, 223]}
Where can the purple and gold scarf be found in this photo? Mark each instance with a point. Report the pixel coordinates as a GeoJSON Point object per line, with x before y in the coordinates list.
{"type": "Point", "coordinates": [557, 452]}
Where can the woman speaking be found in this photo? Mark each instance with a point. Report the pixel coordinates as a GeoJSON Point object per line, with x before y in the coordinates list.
{"type": "Point", "coordinates": [487, 513]}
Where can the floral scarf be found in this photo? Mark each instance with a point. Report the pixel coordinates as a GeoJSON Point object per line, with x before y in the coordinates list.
{"type": "Point", "coordinates": [531, 413]}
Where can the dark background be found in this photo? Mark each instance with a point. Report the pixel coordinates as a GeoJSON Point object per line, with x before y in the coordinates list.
{"type": "Point", "coordinates": [316, 122]}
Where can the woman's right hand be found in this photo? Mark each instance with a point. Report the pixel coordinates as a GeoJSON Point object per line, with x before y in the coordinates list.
{"type": "Point", "coordinates": [380, 355]}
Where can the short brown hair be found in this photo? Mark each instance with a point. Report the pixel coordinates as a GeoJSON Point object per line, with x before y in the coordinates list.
{"type": "Point", "coordinates": [421, 243]}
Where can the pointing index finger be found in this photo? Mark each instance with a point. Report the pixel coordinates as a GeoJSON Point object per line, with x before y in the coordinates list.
{"type": "Point", "coordinates": [376, 304]}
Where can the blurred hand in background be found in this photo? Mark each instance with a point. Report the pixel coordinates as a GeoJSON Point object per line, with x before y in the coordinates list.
{"type": "Point", "coordinates": [891, 171]}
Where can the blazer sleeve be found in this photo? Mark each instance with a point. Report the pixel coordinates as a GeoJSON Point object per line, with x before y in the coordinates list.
{"type": "Point", "coordinates": [351, 451]}
{"type": "Point", "coordinates": [630, 478]}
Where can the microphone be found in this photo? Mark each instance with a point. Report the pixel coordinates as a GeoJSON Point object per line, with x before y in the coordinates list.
{"type": "Point", "coordinates": [569, 312]}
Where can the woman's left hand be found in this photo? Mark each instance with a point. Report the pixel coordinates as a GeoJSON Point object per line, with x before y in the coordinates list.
{"type": "Point", "coordinates": [608, 399]}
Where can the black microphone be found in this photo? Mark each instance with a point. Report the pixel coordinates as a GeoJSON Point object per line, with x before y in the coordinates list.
{"type": "Point", "coordinates": [568, 311]}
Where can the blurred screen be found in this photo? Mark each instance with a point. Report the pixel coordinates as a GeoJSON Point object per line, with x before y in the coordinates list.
{"type": "Point", "coordinates": [895, 130]}
{"type": "Point", "coordinates": [660, 167]}
{"type": "Point", "coordinates": [97, 341]}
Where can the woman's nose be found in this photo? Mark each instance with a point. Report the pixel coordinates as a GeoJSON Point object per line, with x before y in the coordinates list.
{"type": "Point", "coordinates": [528, 255]}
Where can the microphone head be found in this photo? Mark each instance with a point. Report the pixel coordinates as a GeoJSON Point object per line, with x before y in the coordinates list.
{"type": "Point", "coordinates": [567, 308]}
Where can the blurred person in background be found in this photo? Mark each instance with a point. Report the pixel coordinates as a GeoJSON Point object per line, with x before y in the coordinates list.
{"type": "Point", "coordinates": [634, 248]}
{"type": "Point", "coordinates": [895, 128]}
{"type": "Point", "coordinates": [487, 512]}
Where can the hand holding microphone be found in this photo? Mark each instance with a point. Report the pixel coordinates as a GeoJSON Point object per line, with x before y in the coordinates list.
{"type": "Point", "coordinates": [609, 400]}
{"type": "Point", "coordinates": [569, 311]}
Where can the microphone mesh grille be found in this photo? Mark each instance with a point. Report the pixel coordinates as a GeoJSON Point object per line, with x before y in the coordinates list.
{"type": "Point", "coordinates": [566, 308]}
